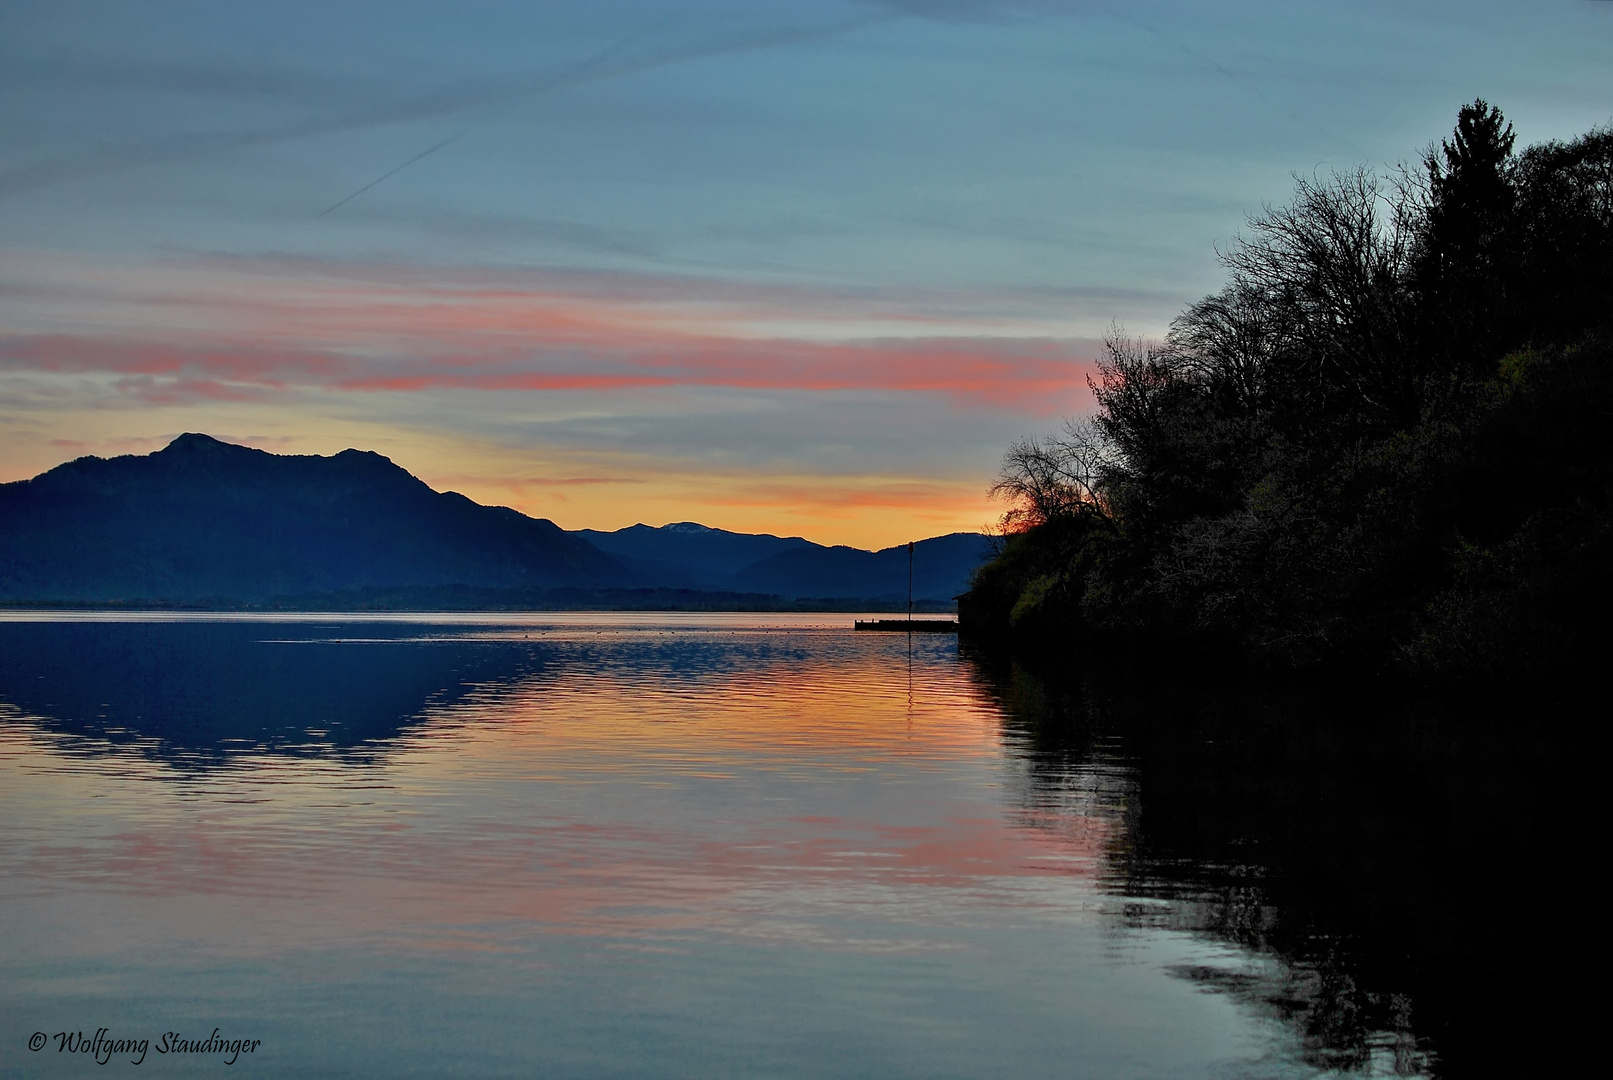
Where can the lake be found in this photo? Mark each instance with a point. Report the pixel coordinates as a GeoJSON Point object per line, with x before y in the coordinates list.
{"type": "Point", "coordinates": [579, 845]}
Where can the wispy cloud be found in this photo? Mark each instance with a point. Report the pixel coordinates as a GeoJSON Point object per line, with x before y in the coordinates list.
{"type": "Point", "coordinates": [1033, 377]}
{"type": "Point", "coordinates": [646, 49]}
{"type": "Point", "coordinates": [203, 332]}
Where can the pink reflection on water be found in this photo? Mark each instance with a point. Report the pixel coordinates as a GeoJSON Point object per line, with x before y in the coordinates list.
{"type": "Point", "coordinates": [804, 797]}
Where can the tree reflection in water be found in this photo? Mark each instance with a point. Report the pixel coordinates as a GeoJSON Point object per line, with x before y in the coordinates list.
{"type": "Point", "coordinates": [1395, 874]}
{"type": "Point", "coordinates": [1395, 867]}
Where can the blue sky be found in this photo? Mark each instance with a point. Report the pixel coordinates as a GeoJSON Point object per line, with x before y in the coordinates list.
{"type": "Point", "coordinates": [803, 268]}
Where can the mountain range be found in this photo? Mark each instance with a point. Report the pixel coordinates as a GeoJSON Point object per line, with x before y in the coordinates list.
{"type": "Point", "coordinates": [208, 522]}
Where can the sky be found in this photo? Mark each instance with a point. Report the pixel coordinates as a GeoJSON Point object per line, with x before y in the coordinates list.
{"type": "Point", "coordinates": [801, 268]}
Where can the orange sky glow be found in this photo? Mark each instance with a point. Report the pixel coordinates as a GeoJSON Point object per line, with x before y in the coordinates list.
{"type": "Point", "coordinates": [595, 400]}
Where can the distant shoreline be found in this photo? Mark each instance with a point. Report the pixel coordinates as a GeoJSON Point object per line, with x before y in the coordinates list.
{"type": "Point", "coordinates": [543, 620]}
{"type": "Point", "coordinates": [335, 605]}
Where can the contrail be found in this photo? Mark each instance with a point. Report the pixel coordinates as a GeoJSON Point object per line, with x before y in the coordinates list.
{"type": "Point", "coordinates": [594, 69]}
{"type": "Point", "coordinates": [1233, 76]}
{"type": "Point", "coordinates": [112, 157]}
{"type": "Point", "coordinates": [580, 69]}
{"type": "Point", "coordinates": [390, 172]}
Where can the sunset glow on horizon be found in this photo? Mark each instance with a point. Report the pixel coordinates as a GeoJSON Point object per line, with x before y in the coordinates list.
{"type": "Point", "coordinates": [804, 270]}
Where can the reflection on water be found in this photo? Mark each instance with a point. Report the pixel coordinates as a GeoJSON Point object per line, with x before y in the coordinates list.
{"type": "Point", "coordinates": [686, 845]}
{"type": "Point", "coordinates": [191, 692]}
{"type": "Point", "coordinates": [1389, 868]}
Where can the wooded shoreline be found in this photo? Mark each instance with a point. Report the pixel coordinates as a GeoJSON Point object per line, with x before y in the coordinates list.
{"type": "Point", "coordinates": [1384, 446]}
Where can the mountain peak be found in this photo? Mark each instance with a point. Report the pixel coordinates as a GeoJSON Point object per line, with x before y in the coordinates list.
{"type": "Point", "coordinates": [207, 518]}
{"type": "Point", "coordinates": [690, 527]}
{"type": "Point", "coordinates": [193, 441]}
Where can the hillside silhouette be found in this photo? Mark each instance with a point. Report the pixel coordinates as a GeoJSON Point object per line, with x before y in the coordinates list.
{"type": "Point", "coordinates": [938, 567]}
{"type": "Point", "coordinates": [203, 519]}
{"type": "Point", "coordinates": [203, 522]}
{"type": "Point", "coordinates": [685, 554]}
{"type": "Point", "coordinates": [1386, 443]}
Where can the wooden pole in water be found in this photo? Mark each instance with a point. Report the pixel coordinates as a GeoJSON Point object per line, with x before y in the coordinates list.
{"type": "Point", "coordinates": [910, 583]}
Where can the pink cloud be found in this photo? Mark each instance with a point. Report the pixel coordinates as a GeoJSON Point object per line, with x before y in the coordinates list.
{"type": "Point", "coordinates": [1037, 377]}
{"type": "Point", "coordinates": [237, 335]}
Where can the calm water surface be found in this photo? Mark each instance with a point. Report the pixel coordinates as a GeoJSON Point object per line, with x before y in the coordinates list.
{"type": "Point", "coordinates": [633, 845]}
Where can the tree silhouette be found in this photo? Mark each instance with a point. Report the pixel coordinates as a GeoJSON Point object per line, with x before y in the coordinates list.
{"type": "Point", "coordinates": [1384, 441]}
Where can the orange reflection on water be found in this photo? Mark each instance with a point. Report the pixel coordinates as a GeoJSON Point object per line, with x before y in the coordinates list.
{"type": "Point", "coordinates": [819, 788]}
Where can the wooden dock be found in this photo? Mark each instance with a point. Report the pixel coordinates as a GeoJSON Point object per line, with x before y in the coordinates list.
{"type": "Point", "coordinates": [909, 626]}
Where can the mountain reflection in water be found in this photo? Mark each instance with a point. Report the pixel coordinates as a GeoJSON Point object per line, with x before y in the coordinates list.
{"type": "Point", "coordinates": [193, 692]}
{"type": "Point", "coordinates": [692, 844]}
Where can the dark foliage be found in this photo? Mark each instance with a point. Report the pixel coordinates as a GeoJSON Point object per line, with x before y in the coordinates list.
{"type": "Point", "coordinates": [1385, 442]}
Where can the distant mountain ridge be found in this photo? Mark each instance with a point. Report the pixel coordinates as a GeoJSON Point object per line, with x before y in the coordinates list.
{"type": "Point", "coordinates": [204, 521]}
{"type": "Point", "coordinates": [940, 568]}
{"type": "Point", "coordinates": [688, 555]}
{"type": "Point", "coordinates": [208, 519]}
